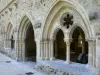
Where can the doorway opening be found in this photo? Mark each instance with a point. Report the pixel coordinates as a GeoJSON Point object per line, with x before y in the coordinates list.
{"type": "Point", "coordinates": [12, 42]}
{"type": "Point", "coordinates": [79, 47]}
{"type": "Point", "coordinates": [60, 46]}
{"type": "Point", "coordinates": [30, 45]}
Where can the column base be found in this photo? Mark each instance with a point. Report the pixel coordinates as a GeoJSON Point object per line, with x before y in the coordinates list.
{"type": "Point", "coordinates": [19, 59]}
{"type": "Point", "coordinates": [52, 58]}
{"type": "Point", "coordinates": [67, 62]}
{"type": "Point", "coordinates": [46, 58]}
{"type": "Point", "coordinates": [90, 68]}
{"type": "Point", "coordinates": [42, 58]}
{"type": "Point", "coordinates": [39, 58]}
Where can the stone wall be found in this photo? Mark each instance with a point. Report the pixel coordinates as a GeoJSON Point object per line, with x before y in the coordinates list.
{"type": "Point", "coordinates": [4, 3]}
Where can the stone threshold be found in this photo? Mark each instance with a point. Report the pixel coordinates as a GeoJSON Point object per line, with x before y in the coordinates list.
{"type": "Point", "coordinates": [59, 67]}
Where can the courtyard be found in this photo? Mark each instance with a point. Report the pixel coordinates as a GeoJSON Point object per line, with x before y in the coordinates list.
{"type": "Point", "coordinates": [11, 67]}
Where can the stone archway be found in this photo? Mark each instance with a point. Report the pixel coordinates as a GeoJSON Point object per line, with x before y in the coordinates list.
{"type": "Point", "coordinates": [60, 46]}
{"type": "Point", "coordinates": [26, 41]}
{"type": "Point", "coordinates": [79, 47]}
{"type": "Point", "coordinates": [52, 21]}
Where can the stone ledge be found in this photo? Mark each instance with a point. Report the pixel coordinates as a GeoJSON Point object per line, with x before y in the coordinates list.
{"type": "Point", "coordinates": [11, 54]}
{"type": "Point", "coordinates": [60, 68]}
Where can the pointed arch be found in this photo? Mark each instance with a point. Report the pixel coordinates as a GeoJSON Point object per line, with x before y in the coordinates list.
{"type": "Point", "coordinates": [22, 38]}
{"type": "Point", "coordinates": [25, 22]}
{"type": "Point", "coordinates": [74, 27]}
{"type": "Point", "coordinates": [59, 5]}
{"type": "Point", "coordinates": [54, 32]}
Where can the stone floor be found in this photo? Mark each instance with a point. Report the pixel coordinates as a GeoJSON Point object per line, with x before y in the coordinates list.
{"type": "Point", "coordinates": [59, 66]}
{"type": "Point", "coordinates": [11, 67]}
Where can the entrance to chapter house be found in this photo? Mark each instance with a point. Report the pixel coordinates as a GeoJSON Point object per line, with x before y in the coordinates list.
{"type": "Point", "coordinates": [30, 45]}
{"type": "Point", "coordinates": [60, 46]}
{"type": "Point", "coordinates": [79, 47]}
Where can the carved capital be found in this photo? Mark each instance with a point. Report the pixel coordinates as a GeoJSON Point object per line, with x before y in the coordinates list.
{"type": "Point", "coordinates": [91, 41]}
{"type": "Point", "coordinates": [68, 41]}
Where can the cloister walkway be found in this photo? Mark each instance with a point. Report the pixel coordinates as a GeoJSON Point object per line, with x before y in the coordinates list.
{"type": "Point", "coordinates": [11, 67]}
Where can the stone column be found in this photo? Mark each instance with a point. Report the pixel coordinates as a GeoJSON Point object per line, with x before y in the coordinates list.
{"type": "Point", "coordinates": [94, 54]}
{"type": "Point", "coordinates": [5, 43]}
{"type": "Point", "coordinates": [49, 47]}
{"type": "Point", "coordinates": [18, 46]}
{"type": "Point", "coordinates": [23, 49]}
{"type": "Point", "coordinates": [68, 53]}
{"type": "Point", "coordinates": [46, 49]}
{"type": "Point", "coordinates": [51, 50]}
{"type": "Point", "coordinates": [68, 42]}
{"type": "Point", "coordinates": [4, 39]}
{"type": "Point", "coordinates": [16, 49]}
{"type": "Point", "coordinates": [38, 49]}
{"type": "Point", "coordinates": [9, 43]}
{"type": "Point", "coordinates": [42, 50]}
{"type": "Point", "coordinates": [91, 53]}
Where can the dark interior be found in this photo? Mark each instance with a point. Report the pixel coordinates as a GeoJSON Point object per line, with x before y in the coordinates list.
{"type": "Point", "coordinates": [30, 45]}
{"type": "Point", "coordinates": [60, 46]}
{"type": "Point", "coordinates": [12, 43]}
{"type": "Point", "coordinates": [79, 46]}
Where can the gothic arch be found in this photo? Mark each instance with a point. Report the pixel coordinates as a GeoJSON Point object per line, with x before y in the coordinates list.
{"type": "Point", "coordinates": [25, 22]}
{"type": "Point", "coordinates": [22, 32]}
{"type": "Point", "coordinates": [9, 34]}
{"type": "Point", "coordinates": [53, 32]}
{"type": "Point", "coordinates": [59, 5]}
{"type": "Point", "coordinates": [52, 21]}
{"type": "Point", "coordinates": [74, 27]}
